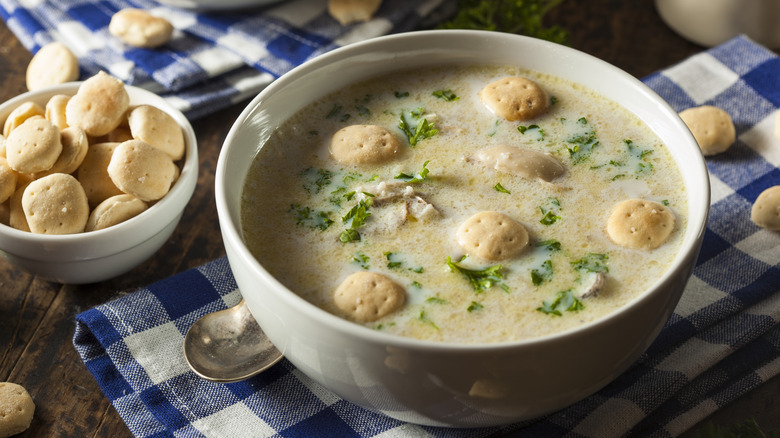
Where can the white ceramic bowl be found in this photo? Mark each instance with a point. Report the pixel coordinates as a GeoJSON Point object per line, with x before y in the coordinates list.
{"type": "Point", "coordinates": [427, 382]}
{"type": "Point", "coordinates": [712, 22]}
{"type": "Point", "coordinates": [103, 254]}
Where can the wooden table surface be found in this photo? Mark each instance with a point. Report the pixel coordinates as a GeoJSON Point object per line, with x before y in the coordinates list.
{"type": "Point", "coordinates": [37, 317]}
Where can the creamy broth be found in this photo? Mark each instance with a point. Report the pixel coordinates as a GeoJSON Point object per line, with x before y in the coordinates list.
{"type": "Point", "coordinates": [294, 184]}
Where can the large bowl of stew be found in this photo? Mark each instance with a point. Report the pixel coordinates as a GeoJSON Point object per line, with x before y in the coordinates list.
{"type": "Point", "coordinates": [461, 337]}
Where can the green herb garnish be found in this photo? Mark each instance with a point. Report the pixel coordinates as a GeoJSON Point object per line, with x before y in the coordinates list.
{"type": "Point", "coordinates": [361, 260]}
{"type": "Point", "coordinates": [358, 214]}
{"type": "Point", "coordinates": [474, 306]}
{"type": "Point", "coordinates": [306, 217]}
{"type": "Point", "coordinates": [543, 274]}
{"type": "Point", "coordinates": [501, 189]}
{"type": "Point", "coordinates": [355, 218]}
{"type": "Point", "coordinates": [316, 179]}
{"type": "Point", "coordinates": [643, 167]}
{"type": "Point", "coordinates": [392, 261]}
{"type": "Point", "coordinates": [581, 145]}
{"type": "Point", "coordinates": [550, 211]}
{"type": "Point", "coordinates": [564, 301]}
{"type": "Point", "coordinates": [349, 235]}
{"type": "Point", "coordinates": [447, 95]}
{"type": "Point", "coordinates": [417, 177]}
{"type": "Point", "coordinates": [494, 131]}
{"type": "Point", "coordinates": [512, 16]}
{"type": "Point", "coordinates": [362, 110]}
{"type": "Point", "coordinates": [592, 262]}
{"type": "Point", "coordinates": [550, 245]}
{"type": "Point", "coordinates": [532, 129]}
{"type": "Point", "coordinates": [549, 218]}
{"type": "Point", "coordinates": [424, 318]}
{"type": "Point", "coordinates": [419, 130]}
{"type": "Point", "coordinates": [480, 279]}
{"type": "Point", "coordinates": [334, 111]}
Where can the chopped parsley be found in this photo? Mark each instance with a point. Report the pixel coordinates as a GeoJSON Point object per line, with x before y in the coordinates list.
{"type": "Point", "coordinates": [641, 165]}
{"type": "Point", "coordinates": [592, 262]}
{"type": "Point", "coordinates": [392, 260]}
{"type": "Point", "coordinates": [534, 130]}
{"type": "Point", "coordinates": [550, 245]}
{"type": "Point", "coordinates": [494, 131]}
{"type": "Point", "coordinates": [447, 95]}
{"type": "Point", "coordinates": [396, 261]}
{"type": "Point", "coordinates": [511, 16]}
{"type": "Point", "coordinates": [355, 218]}
{"type": "Point", "coordinates": [362, 111]}
{"type": "Point", "coordinates": [544, 271]}
{"type": "Point", "coordinates": [337, 111]}
{"type": "Point", "coordinates": [543, 274]}
{"type": "Point", "coordinates": [564, 301]}
{"type": "Point", "coordinates": [424, 318]}
{"type": "Point", "coordinates": [334, 111]}
{"type": "Point", "coordinates": [581, 144]}
{"type": "Point", "coordinates": [549, 218]}
{"type": "Point", "coordinates": [361, 260]}
{"type": "Point", "coordinates": [358, 214]}
{"type": "Point", "coordinates": [633, 163]}
{"type": "Point", "coordinates": [474, 306]}
{"type": "Point", "coordinates": [349, 235]}
{"type": "Point", "coordinates": [415, 127]}
{"type": "Point", "coordinates": [499, 188]}
{"type": "Point", "coordinates": [436, 300]}
{"type": "Point", "coordinates": [306, 217]}
{"type": "Point", "coordinates": [381, 326]}
{"type": "Point", "coordinates": [417, 177]}
{"type": "Point", "coordinates": [480, 279]}
{"type": "Point", "coordinates": [315, 180]}
{"type": "Point", "coordinates": [551, 211]}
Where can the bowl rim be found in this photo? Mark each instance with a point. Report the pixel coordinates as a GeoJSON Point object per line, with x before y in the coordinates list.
{"type": "Point", "coordinates": [176, 199]}
{"type": "Point", "coordinates": [698, 209]}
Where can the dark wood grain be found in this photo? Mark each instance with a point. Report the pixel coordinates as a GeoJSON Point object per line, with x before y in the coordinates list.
{"type": "Point", "coordinates": [37, 317]}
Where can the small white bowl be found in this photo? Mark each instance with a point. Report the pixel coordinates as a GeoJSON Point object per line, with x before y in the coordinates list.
{"type": "Point", "coordinates": [712, 22]}
{"type": "Point", "coordinates": [103, 254]}
{"type": "Point", "coordinates": [428, 382]}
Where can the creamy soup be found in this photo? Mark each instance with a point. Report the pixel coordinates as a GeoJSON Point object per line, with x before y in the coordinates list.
{"type": "Point", "coordinates": [313, 221]}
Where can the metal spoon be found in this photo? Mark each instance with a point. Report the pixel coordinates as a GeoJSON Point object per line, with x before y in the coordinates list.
{"type": "Point", "coordinates": [228, 346]}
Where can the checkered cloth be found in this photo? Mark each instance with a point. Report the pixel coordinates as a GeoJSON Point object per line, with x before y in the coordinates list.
{"type": "Point", "coordinates": [214, 59]}
{"type": "Point", "coordinates": [722, 340]}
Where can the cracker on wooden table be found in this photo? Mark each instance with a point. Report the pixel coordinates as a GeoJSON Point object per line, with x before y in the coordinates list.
{"type": "Point", "coordinates": [16, 409]}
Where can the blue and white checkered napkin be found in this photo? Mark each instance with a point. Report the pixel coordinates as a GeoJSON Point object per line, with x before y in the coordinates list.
{"type": "Point", "coordinates": [213, 59]}
{"type": "Point", "coordinates": [722, 341]}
